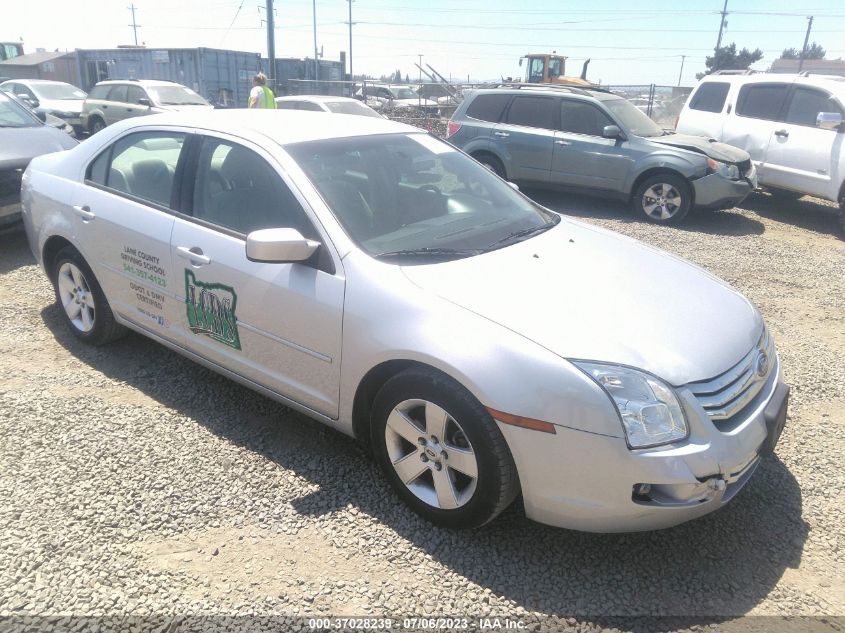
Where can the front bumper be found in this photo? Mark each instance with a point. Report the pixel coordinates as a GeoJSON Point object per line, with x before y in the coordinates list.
{"type": "Point", "coordinates": [585, 481]}
{"type": "Point", "coordinates": [717, 192]}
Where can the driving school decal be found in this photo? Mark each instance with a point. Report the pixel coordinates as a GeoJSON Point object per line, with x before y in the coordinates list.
{"type": "Point", "coordinates": [211, 310]}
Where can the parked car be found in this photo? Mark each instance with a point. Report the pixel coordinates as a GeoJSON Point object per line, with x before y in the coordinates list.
{"type": "Point", "coordinates": [398, 97]}
{"type": "Point", "coordinates": [115, 100]}
{"type": "Point", "coordinates": [320, 103]}
{"type": "Point", "coordinates": [791, 126]}
{"type": "Point", "coordinates": [376, 279]}
{"type": "Point", "coordinates": [599, 143]}
{"type": "Point", "coordinates": [56, 98]}
{"type": "Point", "coordinates": [23, 136]}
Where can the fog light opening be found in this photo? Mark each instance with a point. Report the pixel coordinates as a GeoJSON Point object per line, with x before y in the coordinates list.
{"type": "Point", "coordinates": [642, 492]}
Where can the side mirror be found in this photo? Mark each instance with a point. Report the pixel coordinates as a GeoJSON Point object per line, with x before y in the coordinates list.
{"type": "Point", "coordinates": [145, 102]}
{"type": "Point", "coordinates": [829, 120]}
{"type": "Point", "coordinates": [612, 131]}
{"type": "Point", "coordinates": [278, 246]}
{"type": "Point", "coordinates": [32, 103]}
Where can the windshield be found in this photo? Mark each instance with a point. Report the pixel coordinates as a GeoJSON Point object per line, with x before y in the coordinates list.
{"type": "Point", "coordinates": [396, 193]}
{"type": "Point", "coordinates": [175, 95]}
{"type": "Point", "coordinates": [351, 107]}
{"type": "Point", "coordinates": [404, 93]}
{"type": "Point", "coordinates": [632, 119]}
{"type": "Point", "coordinates": [62, 92]}
{"type": "Point", "coordinates": [13, 114]}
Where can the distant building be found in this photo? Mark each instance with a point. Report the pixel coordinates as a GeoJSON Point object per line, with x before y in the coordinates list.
{"type": "Point", "coordinates": [42, 65]}
{"type": "Point", "coordinates": [814, 66]}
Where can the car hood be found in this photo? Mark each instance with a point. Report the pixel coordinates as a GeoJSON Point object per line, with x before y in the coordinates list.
{"type": "Point", "coordinates": [62, 105]}
{"type": "Point", "coordinates": [18, 146]}
{"type": "Point", "coordinates": [708, 147]}
{"type": "Point", "coordinates": [587, 293]}
{"type": "Point", "coordinates": [186, 108]}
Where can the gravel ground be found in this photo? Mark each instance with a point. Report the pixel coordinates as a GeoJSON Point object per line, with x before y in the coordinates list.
{"type": "Point", "coordinates": [136, 483]}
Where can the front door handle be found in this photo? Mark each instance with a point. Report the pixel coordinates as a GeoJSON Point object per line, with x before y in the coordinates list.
{"type": "Point", "coordinates": [561, 142]}
{"type": "Point", "coordinates": [782, 133]}
{"type": "Point", "coordinates": [502, 134]}
{"type": "Point", "coordinates": [194, 254]}
{"type": "Point", "coordinates": [84, 212]}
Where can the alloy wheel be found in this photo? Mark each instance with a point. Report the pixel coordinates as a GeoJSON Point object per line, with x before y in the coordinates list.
{"type": "Point", "coordinates": [76, 297]}
{"type": "Point", "coordinates": [661, 201]}
{"type": "Point", "coordinates": [431, 454]}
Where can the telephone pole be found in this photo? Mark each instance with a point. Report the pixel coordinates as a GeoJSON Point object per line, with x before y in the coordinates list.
{"type": "Point", "coordinates": [806, 40]}
{"type": "Point", "coordinates": [134, 25]}
{"type": "Point", "coordinates": [271, 46]}
{"type": "Point", "coordinates": [722, 24]}
{"type": "Point", "coordinates": [681, 74]}
{"type": "Point", "coordinates": [351, 76]}
{"type": "Point", "coordinates": [316, 63]}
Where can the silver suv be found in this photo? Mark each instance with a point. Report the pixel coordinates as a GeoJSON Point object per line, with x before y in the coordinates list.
{"type": "Point", "coordinates": [114, 100]}
{"type": "Point", "coordinates": [598, 142]}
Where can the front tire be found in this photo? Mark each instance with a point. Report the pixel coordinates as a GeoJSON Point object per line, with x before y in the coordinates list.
{"type": "Point", "coordinates": [96, 125]}
{"type": "Point", "coordinates": [441, 450]}
{"type": "Point", "coordinates": [492, 163]}
{"type": "Point", "coordinates": [81, 300]}
{"type": "Point", "coordinates": [663, 199]}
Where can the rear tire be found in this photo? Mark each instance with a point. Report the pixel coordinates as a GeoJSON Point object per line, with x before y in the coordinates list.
{"type": "Point", "coordinates": [492, 163]}
{"type": "Point", "coordinates": [842, 214]}
{"type": "Point", "coordinates": [81, 300]}
{"type": "Point", "coordinates": [441, 450]}
{"type": "Point", "coordinates": [663, 199]}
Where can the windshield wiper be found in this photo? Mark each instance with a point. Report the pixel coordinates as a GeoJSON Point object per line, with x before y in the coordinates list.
{"type": "Point", "coordinates": [525, 233]}
{"type": "Point", "coordinates": [428, 251]}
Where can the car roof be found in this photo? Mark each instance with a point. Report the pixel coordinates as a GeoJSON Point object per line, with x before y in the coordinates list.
{"type": "Point", "coordinates": [569, 91]}
{"type": "Point", "coordinates": [281, 126]}
{"type": "Point", "coordinates": [138, 82]}
{"type": "Point", "coordinates": [316, 98]}
{"type": "Point", "coordinates": [835, 85]}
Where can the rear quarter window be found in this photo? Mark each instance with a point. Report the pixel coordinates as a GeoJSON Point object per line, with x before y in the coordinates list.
{"type": "Point", "coordinates": [488, 107]}
{"type": "Point", "coordinates": [99, 92]}
{"type": "Point", "coordinates": [761, 101]}
{"type": "Point", "coordinates": [710, 96]}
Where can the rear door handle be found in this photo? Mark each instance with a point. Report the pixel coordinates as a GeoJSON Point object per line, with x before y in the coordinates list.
{"type": "Point", "coordinates": [84, 212]}
{"type": "Point", "coordinates": [782, 133]}
{"type": "Point", "coordinates": [502, 134]}
{"type": "Point", "coordinates": [560, 142]}
{"type": "Point", "coordinates": [194, 254]}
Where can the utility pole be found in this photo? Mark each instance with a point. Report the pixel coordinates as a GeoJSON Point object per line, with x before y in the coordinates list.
{"type": "Point", "coordinates": [134, 25]}
{"type": "Point", "coordinates": [271, 46]}
{"type": "Point", "coordinates": [722, 23]}
{"type": "Point", "coordinates": [806, 40]}
{"type": "Point", "coordinates": [316, 62]}
{"type": "Point", "coordinates": [351, 76]}
{"type": "Point", "coordinates": [680, 74]}
{"type": "Point", "coordinates": [419, 94]}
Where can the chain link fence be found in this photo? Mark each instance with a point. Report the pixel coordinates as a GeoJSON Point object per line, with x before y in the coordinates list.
{"type": "Point", "coordinates": [430, 105]}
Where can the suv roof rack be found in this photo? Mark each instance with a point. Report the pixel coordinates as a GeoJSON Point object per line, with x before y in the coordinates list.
{"type": "Point", "coordinates": [562, 87]}
{"type": "Point", "coordinates": [746, 71]}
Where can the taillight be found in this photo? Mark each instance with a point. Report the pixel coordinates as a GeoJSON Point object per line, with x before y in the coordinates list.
{"type": "Point", "coordinates": [452, 128]}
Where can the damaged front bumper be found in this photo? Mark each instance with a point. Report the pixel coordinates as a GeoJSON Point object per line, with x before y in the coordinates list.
{"type": "Point", "coordinates": [714, 191]}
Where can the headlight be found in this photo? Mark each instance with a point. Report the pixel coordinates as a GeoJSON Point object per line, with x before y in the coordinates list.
{"type": "Point", "coordinates": [723, 169]}
{"type": "Point", "coordinates": [650, 411]}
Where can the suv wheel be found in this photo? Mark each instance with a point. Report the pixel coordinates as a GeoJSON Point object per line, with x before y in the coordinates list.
{"type": "Point", "coordinates": [842, 213]}
{"type": "Point", "coordinates": [96, 125]}
{"type": "Point", "coordinates": [492, 163]}
{"type": "Point", "coordinates": [663, 199]}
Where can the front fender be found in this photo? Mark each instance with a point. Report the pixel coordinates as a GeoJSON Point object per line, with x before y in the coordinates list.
{"type": "Point", "coordinates": [688, 164]}
{"type": "Point", "coordinates": [502, 369]}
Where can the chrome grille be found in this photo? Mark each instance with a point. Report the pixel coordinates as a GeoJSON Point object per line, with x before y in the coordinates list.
{"type": "Point", "coordinates": [725, 395]}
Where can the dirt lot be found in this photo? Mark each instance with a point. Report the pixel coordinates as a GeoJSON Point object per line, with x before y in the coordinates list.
{"type": "Point", "coordinates": [133, 482]}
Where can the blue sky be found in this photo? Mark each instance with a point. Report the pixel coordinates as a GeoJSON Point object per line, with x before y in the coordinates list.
{"type": "Point", "coordinates": [629, 42]}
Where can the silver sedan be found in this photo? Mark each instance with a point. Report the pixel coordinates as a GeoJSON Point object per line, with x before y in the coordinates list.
{"type": "Point", "coordinates": [381, 281]}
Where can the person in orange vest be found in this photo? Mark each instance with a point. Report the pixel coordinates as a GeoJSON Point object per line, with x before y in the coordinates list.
{"type": "Point", "coordinates": [261, 96]}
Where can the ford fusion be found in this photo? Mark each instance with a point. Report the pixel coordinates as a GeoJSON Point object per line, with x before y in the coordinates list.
{"type": "Point", "coordinates": [383, 282]}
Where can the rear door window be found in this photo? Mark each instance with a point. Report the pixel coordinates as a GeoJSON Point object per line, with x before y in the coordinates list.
{"type": "Point", "coordinates": [806, 104]}
{"type": "Point", "coordinates": [99, 92]}
{"type": "Point", "coordinates": [710, 96]}
{"type": "Point", "coordinates": [117, 93]}
{"type": "Point", "coordinates": [488, 107]}
{"type": "Point", "coordinates": [762, 101]}
{"type": "Point", "coordinates": [134, 94]}
{"type": "Point", "coordinates": [534, 111]}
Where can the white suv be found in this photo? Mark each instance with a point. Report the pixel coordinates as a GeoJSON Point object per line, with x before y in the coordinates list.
{"type": "Point", "coordinates": [791, 125]}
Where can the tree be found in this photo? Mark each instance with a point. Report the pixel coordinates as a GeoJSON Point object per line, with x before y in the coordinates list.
{"type": "Point", "coordinates": [814, 51]}
{"type": "Point", "coordinates": [727, 58]}
{"type": "Point", "coordinates": [397, 77]}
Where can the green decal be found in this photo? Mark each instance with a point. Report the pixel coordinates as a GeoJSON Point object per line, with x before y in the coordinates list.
{"type": "Point", "coordinates": [211, 310]}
